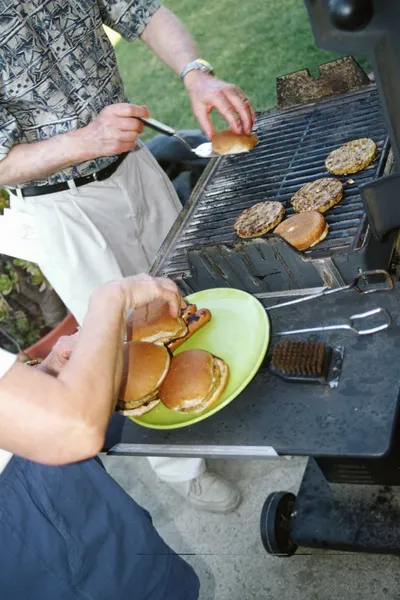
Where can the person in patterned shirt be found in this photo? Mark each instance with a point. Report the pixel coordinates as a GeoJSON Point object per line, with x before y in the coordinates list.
{"type": "Point", "coordinates": [71, 156]}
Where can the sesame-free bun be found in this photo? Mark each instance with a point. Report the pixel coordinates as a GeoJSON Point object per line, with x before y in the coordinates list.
{"type": "Point", "coordinates": [145, 368]}
{"type": "Point", "coordinates": [195, 380]}
{"type": "Point", "coordinates": [303, 230]}
{"type": "Point", "coordinates": [227, 142]}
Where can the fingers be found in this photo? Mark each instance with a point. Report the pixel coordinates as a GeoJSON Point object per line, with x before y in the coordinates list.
{"type": "Point", "coordinates": [143, 289]}
{"type": "Point", "coordinates": [128, 124]}
{"type": "Point", "coordinates": [128, 137]}
{"type": "Point", "coordinates": [202, 114]}
{"type": "Point", "coordinates": [128, 110]}
{"type": "Point", "coordinates": [225, 107]}
{"type": "Point", "coordinates": [243, 108]}
{"type": "Point", "coordinates": [170, 293]}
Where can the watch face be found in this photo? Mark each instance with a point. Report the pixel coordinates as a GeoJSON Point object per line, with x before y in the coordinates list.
{"type": "Point", "coordinates": [204, 65]}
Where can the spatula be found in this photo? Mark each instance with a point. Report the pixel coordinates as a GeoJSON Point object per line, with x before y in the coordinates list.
{"type": "Point", "coordinates": [203, 151]}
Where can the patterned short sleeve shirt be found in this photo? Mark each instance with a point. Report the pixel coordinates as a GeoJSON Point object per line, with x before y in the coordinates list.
{"type": "Point", "coordinates": [58, 68]}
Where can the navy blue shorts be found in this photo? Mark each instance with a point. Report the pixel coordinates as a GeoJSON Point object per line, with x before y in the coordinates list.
{"type": "Point", "coordinates": [71, 532]}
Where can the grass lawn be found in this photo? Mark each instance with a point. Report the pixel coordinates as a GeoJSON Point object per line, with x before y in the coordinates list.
{"type": "Point", "coordinates": [249, 43]}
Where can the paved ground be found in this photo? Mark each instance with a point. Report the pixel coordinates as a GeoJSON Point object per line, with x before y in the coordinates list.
{"type": "Point", "coordinates": [227, 553]}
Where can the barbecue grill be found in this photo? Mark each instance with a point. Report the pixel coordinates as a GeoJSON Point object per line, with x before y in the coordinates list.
{"type": "Point", "coordinates": [203, 251]}
{"type": "Point", "coordinates": [350, 432]}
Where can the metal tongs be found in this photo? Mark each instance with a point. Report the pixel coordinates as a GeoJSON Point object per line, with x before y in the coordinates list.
{"type": "Point", "coordinates": [350, 325]}
{"type": "Point", "coordinates": [364, 283]}
{"type": "Point", "coordinates": [203, 151]}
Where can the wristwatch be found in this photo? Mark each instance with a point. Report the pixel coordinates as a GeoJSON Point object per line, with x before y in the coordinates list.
{"type": "Point", "coordinates": [200, 65]}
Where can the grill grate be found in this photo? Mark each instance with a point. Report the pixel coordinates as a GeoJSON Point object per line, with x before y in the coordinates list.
{"type": "Point", "coordinates": [293, 146]}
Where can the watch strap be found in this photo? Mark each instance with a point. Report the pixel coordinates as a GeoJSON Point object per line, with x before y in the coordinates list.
{"type": "Point", "coordinates": [200, 65]}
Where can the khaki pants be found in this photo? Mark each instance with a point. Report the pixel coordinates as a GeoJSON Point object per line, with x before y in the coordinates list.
{"type": "Point", "coordinates": [103, 231]}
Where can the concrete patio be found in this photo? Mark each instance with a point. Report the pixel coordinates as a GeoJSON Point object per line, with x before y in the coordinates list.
{"type": "Point", "coordinates": [227, 552]}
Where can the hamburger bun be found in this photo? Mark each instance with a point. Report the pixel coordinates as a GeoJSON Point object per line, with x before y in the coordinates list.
{"type": "Point", "coordinates": [195, 381]}
{"type": "Point", "coordinates": [227, 142]}
{"type": "Point", "coordinates": [145, 368]}
{"type": "Point", "coordinates": [154, 323]}
{"type": "Point", "coordinates": [303, 230]}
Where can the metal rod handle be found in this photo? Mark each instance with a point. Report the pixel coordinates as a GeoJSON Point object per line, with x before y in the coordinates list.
{"type": "Point", "coordinates": [158, 126]}
{"type": "Point", "coordinates": [349, 325]}
{"type": "Point", "coordinates": [366, 276]}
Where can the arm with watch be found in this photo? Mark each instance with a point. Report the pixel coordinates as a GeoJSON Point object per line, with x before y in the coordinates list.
{"type": "Point", "coordinates": [170, 41]}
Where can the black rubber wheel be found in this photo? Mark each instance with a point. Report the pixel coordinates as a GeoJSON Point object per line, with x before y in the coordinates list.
{"type": "Point", "coordinates": [275, 524]}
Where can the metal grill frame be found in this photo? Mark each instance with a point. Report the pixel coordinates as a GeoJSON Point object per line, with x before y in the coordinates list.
{"type": "Point", "coordinates": [360, 238]}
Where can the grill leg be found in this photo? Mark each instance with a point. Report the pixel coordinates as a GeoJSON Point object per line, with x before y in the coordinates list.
{"type": "Point", "coordinates": [358, 518]}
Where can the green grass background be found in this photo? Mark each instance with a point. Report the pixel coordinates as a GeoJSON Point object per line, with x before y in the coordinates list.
{"type": "Point", "coordinates": [249, 43]}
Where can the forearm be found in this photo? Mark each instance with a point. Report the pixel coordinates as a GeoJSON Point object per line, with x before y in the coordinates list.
{"type": "Point", "coordinates": [63, 419]}
{"type": "Point", "coordinates": [27, 162]}
{"type": "Point", "coordinates": [169, 40]}
{"type": "Point", "coordinates": [99, 350]}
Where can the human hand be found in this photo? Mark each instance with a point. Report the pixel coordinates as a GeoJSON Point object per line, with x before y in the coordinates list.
{"type": "Point", "coordinates": [142, 289]}
{"type": "Point", "coordinates": [59, 355]}
{"type": "Point", "coordinates": [115, 130]}
{"type": "Point", "coordinates": [207, 93]}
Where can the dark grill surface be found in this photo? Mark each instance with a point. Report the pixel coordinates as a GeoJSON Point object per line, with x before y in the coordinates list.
{"type": "Point", "coordinates": [294, 144]}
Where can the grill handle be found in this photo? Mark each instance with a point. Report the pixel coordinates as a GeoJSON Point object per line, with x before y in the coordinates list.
{"type": "Point", "coordinates": [158, 126]}
{"type": "Point", "coordinates": [350, 325]}
{"type": "Point", "coordinates": [367, 288]}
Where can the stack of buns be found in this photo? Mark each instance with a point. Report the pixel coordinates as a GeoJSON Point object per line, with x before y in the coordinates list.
{"type": "Point", "coordinates": [189, 382]}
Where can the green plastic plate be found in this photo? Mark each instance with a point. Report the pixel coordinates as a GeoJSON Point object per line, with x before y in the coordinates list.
{"type": "Point", "coordinates": [238, 332]}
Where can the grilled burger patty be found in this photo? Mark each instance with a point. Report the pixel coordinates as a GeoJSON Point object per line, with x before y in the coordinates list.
{"type": "Point", "coordinates": [259, 219]}
{"type": "Point", "coordinates": [351, 157]}
{"type": "Point", "coordinates": [319, 195]}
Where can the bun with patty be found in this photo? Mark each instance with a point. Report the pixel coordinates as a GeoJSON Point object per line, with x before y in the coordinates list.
{"type": "Point", "coordinates": [154, 323]}
{"type": "Point", "coordinates": [195, 381]}
{"type": "Point", "coordinates": [145, 368]}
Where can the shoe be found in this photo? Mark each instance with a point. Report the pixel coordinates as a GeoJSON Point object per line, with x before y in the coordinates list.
{"type": "Point", "coordinates": [210, 493]}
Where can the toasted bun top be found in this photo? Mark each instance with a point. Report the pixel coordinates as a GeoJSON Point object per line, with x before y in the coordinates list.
{"type": "Point", "coordinates": [227, 142]}
{"type": "Point", "coordinates": [153, 322]}
{"type": "Point", "coordinates": [302, 230]}
{"type": "Point", "coordinates": [145, 368]}
{"type": "Point", "coordinates": [189, 379]}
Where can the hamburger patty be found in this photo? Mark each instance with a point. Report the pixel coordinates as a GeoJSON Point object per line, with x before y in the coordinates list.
{"type": "Point", "coordinates": [319, 195]}
{"type": "Point", "coordinates": [131, 404]}
{"type": "Point", "coordinates": [351, 157]}
{"type": "Point", "coordinates": [259, 219]}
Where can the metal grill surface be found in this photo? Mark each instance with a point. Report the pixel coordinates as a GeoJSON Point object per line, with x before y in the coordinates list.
{"type": "Point", "coordinates": [294, 144]}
